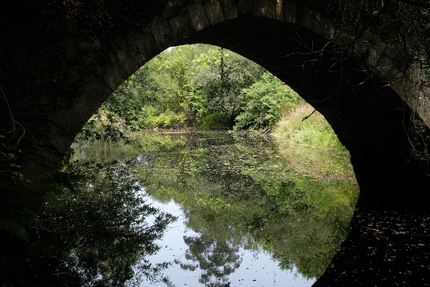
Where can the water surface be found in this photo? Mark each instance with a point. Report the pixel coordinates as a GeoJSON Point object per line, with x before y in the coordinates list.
{"type": "Point", "coordinates": [205, 209]}
{"type": "Point", "coordinates": [235, 195]}
{"type": "Point", "coordinates": [250, 267]}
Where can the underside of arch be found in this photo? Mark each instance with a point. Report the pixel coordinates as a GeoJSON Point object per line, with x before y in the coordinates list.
{"type": "Point", "coordinates": [368, 117]}
{"type": "Point", "coordinates": [55, 83]}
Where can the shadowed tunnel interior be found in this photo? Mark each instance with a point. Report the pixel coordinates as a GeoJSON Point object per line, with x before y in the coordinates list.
{"type": "Point", "coordinates": [68, 74]}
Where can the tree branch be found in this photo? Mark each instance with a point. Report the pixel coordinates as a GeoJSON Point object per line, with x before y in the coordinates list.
{"type": "Point", "coordinates": [13, 120]}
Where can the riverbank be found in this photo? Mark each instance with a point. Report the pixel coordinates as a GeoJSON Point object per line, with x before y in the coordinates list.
{"type": "Point", "coordinates": [307, 141]}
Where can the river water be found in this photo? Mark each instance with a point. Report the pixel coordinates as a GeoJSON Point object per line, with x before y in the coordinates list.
{"type": "Point", "coordinates": [252, 267]}
{"type": "Point", "coordinates": [202, 209]}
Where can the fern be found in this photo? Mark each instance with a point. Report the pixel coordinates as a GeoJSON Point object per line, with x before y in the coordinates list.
{"type": "Point", "coordinates": [14, 228]}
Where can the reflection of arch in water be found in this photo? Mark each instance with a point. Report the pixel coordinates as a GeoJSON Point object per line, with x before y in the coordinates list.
{"type": "Point", "coordinates": [75, 69]}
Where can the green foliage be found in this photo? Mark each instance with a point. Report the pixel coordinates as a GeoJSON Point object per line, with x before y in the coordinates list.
{"type": "Point", "coordinates": [21, 220]}
{"type": "Point", "coordinates": [219, 77]}
{"type": "Point", "coordinates": [264, 102]}
{"type": "Point", "coordinates": [63, 180]}
{"type": "Point", "coordinates": [214, 121]}
{"type": "Point", "coordinates": [151, 118]}
{"type": "Point", "coordinates": [182, 87]}
{"type": "Point", "coordinates": [106, 228]}
{"type": "Point", "coordinates": [250, 193]}
{"type": "Point", "coordinates": [311, 146]}
{"type": "Point", "coordinates": [104, 125]}
{"type": "Point", "coordinates": [124, 111]}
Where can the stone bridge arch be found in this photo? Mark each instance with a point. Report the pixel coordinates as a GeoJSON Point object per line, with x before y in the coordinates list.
{"type": "Point", "coordinates": [60, 61]}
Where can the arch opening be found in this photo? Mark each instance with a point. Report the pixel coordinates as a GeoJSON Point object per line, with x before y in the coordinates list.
{"type": "Point", "coordinates": [310, 214]}
{"type": "Point", "coordinates": [368, 117]}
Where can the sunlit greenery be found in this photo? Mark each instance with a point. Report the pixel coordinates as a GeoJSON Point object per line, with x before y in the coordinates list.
{"type": "Point", "coordinates": [239, 184]}
{"type": "Point", "coordinates": [194, 86]}
{"type": "Point", "coordinates": [265, 100]}
{"type": "Point", "coordinates": [307, 141]}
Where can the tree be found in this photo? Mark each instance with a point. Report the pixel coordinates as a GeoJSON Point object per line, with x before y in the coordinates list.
{"type": "Point", "coordinates": [217, 259]}
{"type": "Point", "coordinates": [246, 196]}
{"type": "Point", "coordinates": [193, 85]}
{"type": "Point", "coordinates": [96, 234]}
{"type": "Point", "coordinates": [217, 81]}
{"type": "Point", "coordinates": [264, 101]}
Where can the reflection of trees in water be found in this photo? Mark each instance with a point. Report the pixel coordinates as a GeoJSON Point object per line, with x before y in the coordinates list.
{"type": "Point", "coordinates": [97, 234]}
{"type": "Point", "coordinates": [238, 184]}
{"type": "Point", "coordinates": [216, 259]}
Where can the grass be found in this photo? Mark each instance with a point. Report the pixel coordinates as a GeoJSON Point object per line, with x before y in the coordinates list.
{"type": "Point", "coordinates": [311, 146]}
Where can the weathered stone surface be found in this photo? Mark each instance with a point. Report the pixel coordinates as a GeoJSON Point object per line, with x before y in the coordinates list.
{"type": "Point", "coordinates": [214, 11]}
{"type": "Point", "coordinates": [230, 9]}
{"type": "Point", "coordinates": [60, 61]}
{"type": "Point", "coordinates": [198, 16]}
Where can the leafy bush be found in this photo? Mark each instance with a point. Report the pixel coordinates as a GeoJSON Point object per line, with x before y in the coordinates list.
{"type": "Point", "coordinates": [189, 86]}
{"type": "Point", "coordinates": [265, 100]}
{"type": "Point", "coordinates": [214, 121]}
{"type": "Point", "coordinates": [216, 80]}
{"type": "Point", "coordinates": [150, 117]}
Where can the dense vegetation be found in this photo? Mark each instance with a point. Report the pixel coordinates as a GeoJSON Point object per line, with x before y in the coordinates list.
{"type": "Point", "coordinates": [193, 86]}
{"type": "Point", "coordinates": [401, 22]}
{"type": "Point", "coordinates": [207, 87]}
{"type": "Point", "coordinates": [95, 232]}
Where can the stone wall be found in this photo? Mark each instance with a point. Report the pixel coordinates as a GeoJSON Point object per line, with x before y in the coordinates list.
{"type": "Point", "coordinates": [59, 60]}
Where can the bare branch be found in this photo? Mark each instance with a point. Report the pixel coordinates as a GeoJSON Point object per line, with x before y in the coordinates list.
{"type": "Point", "coordinates": [13, 120]}
{"type": "Point", "coordinates": [308, 116]}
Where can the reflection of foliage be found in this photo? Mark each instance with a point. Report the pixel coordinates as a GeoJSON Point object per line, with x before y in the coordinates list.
{"type": "Point", "coordinates": [98, 235]}
{"type": "Point", "coordinates": [217, 259]}
{"type": "Point", "coordinates": [256, 221]}
{"type": "Point", "coordinates": [236, 188]}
